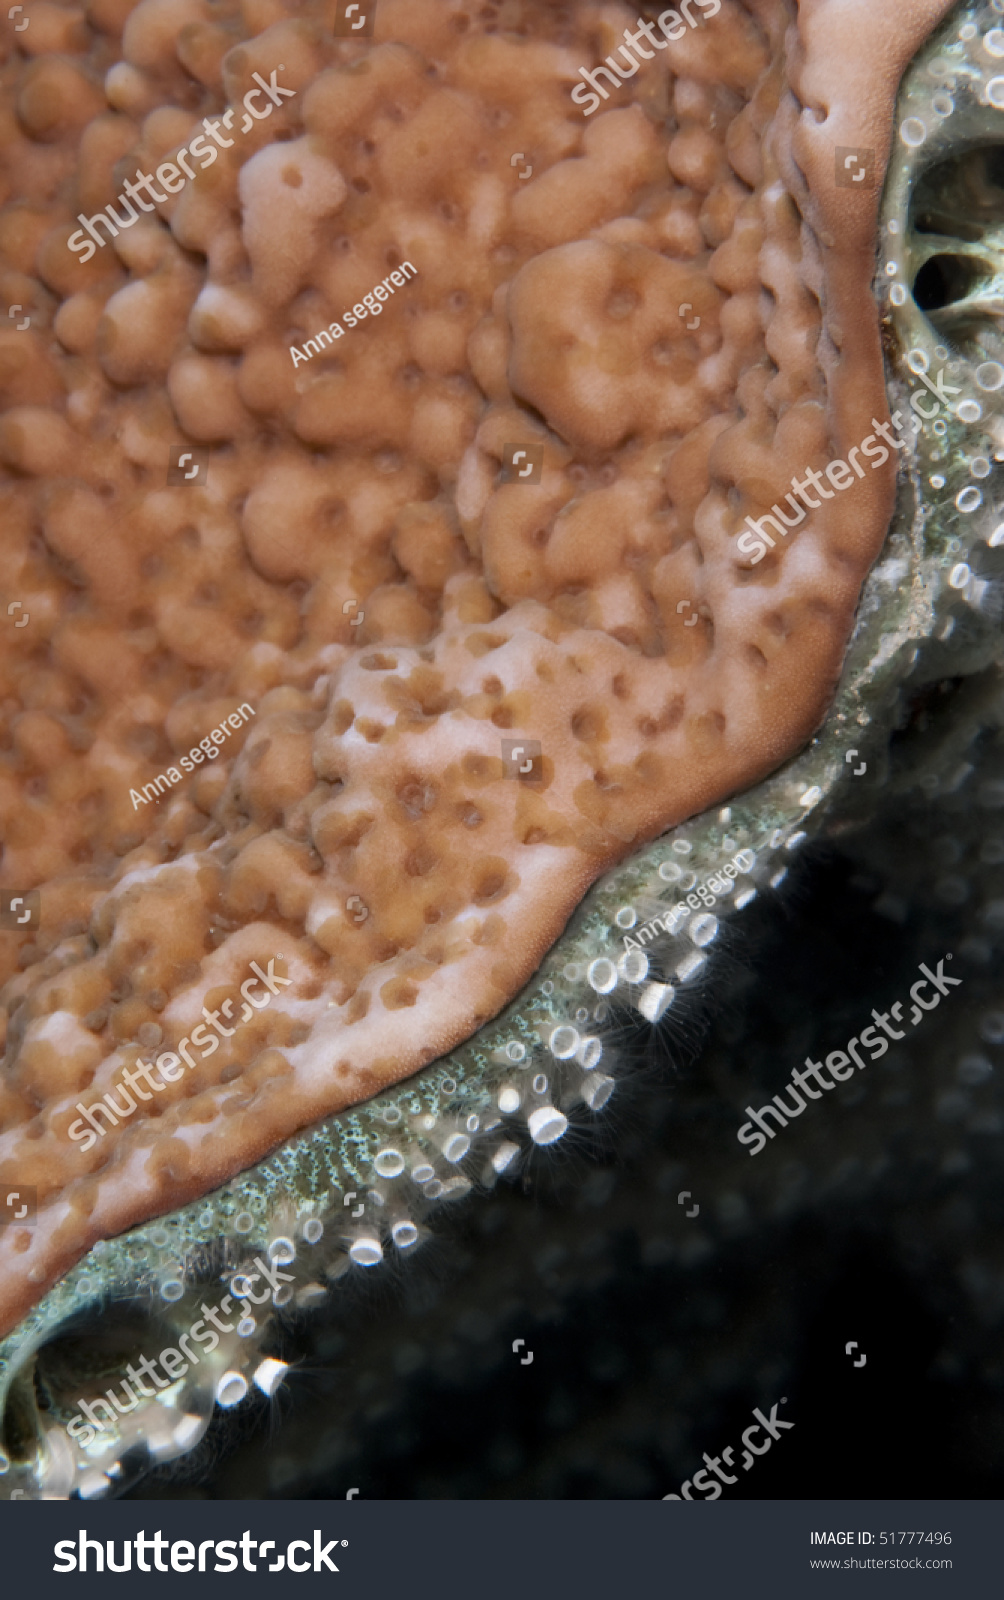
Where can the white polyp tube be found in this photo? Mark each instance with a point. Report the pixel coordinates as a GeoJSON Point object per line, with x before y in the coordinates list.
{"type": "Point", "coordinates": [231, 1389]}
{"type": "Point", "coordinates": [366, 1251]}
{"type": "Point", "coordinates": [546, 1124]}
{"type": "Point", "coordinates": [564, 1042]}
{"type": "Point", "coordinates": [504, 1155]}
{"type": "Point", "coordinates": [93, 1484]}
{"type": "Point", "coordinates": [189, 1429]}
{"type": "Point", "coordinates": [690, 966]}
{"type": "Point", "coordinates": [655, 1001]}
{"type": "Point", "coordinates": [389, 1163]}
{"type": "Point", "coordinates": [589, 1052]}
{"type": "Point", "coordinates": [269, 1375]}
{"type": "Point", "coordinates": [703, 929]}
{"type": "Point", "coordinates": [455, 1146]}
{"type": "Point", "coordinates": [633, 965]}
{"type": "Point", "coordinates": [596, 1090]}
{"type": "Point", "coordinates": [602, 975]}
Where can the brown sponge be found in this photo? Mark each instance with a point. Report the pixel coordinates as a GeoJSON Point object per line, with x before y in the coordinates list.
{"type": "Point", "coordinates": [669, 313]}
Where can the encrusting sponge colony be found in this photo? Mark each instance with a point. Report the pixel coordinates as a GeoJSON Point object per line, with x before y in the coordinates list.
{"type": "Point", "coordinates": [669, 316]}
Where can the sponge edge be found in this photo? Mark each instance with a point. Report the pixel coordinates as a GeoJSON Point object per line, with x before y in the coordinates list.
{"type": "Point", "coordinates": [362, 567]}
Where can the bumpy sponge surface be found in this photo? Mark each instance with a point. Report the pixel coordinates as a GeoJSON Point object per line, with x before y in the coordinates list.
{"type": "Point", "coordinates": [669, 314]}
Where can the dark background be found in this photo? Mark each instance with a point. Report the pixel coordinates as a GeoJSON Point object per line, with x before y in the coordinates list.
{"type": "Point", "coordinates": [876, 1217]}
